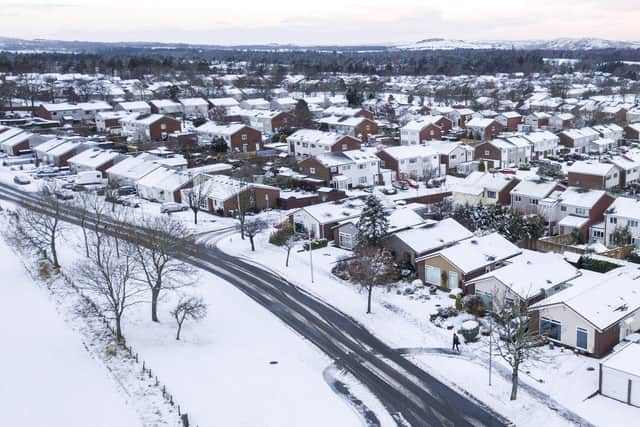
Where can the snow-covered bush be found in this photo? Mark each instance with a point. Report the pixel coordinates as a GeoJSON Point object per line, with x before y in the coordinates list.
{"type": "Point", "coordinates": [469, 330]}
{"type": "Point", "coordinates": [473, 304]}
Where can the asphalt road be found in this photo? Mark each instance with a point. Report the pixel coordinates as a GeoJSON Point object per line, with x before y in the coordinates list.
{"type": "Point", "coordinates": [410, 394]}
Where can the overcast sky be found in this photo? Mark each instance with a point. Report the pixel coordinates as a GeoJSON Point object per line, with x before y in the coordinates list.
{"type": "Point", "coordinates": [317, 22]}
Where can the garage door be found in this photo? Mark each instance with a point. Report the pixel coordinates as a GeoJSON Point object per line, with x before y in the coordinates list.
{"type": "Point", "coordinates": [635, 391]}
{"type": "Point", "coordinates": [615, 384]}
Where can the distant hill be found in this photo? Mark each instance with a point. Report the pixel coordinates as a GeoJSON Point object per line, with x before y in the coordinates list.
{"type": "Point", "coordinates": [552, 44]}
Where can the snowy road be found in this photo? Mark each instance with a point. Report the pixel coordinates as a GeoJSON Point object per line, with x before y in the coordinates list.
{"type": "Point", "coordinates": [404, 388]}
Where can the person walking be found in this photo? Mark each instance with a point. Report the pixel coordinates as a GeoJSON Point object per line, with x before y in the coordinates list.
{"type": "Point", "coordinates": [456, 343]}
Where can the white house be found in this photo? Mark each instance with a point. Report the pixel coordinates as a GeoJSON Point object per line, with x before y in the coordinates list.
{"type": "Point", "coordinates": [623, 213]}
{"type": "Point", "coordinates": [485, 188]}
{"type": "Point", "coordinates": [527, 195]}
{"type": "Point", "coordinates": [139, 107]}
{"type": "Point", "coordinates": [412, 161]}
{"type": "Point", "coordinates": [543, 143]}
{"type": "Point", "coordinates": [310, 142]}
{"type": "Point", "coordinates": [194, 107]}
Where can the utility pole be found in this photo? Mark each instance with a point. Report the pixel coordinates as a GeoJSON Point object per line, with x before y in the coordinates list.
{"type": "Point", "coordinates": [240, 210]}
{"type": "Point", "coordinates": [310, 255]}
{"type": "Point", "coordinates": [490, 345]}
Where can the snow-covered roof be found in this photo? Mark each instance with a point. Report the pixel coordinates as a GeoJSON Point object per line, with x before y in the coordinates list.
{"type": "Point", "coordinates": [435, 236]}
{"type": "Point", "coordinates": [421, 123]}
{"type": "Point", "coordinates": [164, 103]}
{"type": "Point", "coordinates": [572, 221]}
{"type": "Point", "coordinates": [49, 145]}
{"type": "Point", "coordinates": [604, 300]}
{"type": "Point", "coordinates": [95, 106]}
{"type": "Point", "coordinates": [403, 218]}
{"type": "Point", "coordinates": [535, 188]}
{"type": "Point", "coordinates": [581, 197]}
{"type": "Point", "coordinates": [63, 106]}
{"type": "Point", "coordinates": [532, 271]}
{"type": "Point", "coordinates": [150, 119]}
{"type": "Point", "coordinates": [223, 130]}
{"type": "Point", "coordinates": [625, 359]}
{"type": "Point", "coordinates": [133, 168]}
{"type": "Point", "coordinates": [315, 136]}
{"type": "Point", "coordinates": [477, 182]}
{"type": "Point", "coordinates": [591, 168]}
{"type": "Point", "coordinates": [478, 122]}
{"type": "Point", "coordinates": [93, 157]}
{"type": "Point", "coordinates": [164, 178]}
{"type": "Point", "coordinates": [193, 102]}
{"type": "Point", "coordinates": [400, 152]}
{"type": "Point", "coordinates": [625, 207]}
{"type": "Point", "coordinates": [134, 105]}
{"type": "Point", "coordinates": [222, 187]}
{"type": "Point", "coordinates": [224, 102]}
{"type": "Point", "coordinates": [472, 254]}
{"type": "Point", "coordinates": [15, 139]}
{"type": "Point", "coordinates": [336, 211]}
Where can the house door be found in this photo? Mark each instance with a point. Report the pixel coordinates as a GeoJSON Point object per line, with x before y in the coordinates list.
{"type": "Point", "coordinates": [581, 338]}
{"type": "Point", "coordinates": [245, 148]}
{"type": "Point", "coordinates": [453, 279]}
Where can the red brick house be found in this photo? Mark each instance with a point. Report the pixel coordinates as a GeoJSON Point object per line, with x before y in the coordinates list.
{"type": "Point", "coordinates": [239, 137]}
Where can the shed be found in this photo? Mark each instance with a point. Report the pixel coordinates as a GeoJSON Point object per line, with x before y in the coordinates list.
{"type": "Point", "coordinates": [620, 375]}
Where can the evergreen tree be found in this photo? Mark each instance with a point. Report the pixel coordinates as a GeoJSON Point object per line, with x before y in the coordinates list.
{"type": "Point", "coordinates": [373, 223]}
{"type": "Point", "coordinates": [303, 116]}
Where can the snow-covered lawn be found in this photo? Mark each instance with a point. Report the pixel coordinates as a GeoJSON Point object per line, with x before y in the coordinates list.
{"type": "Point", "coordinates": [48, 377]}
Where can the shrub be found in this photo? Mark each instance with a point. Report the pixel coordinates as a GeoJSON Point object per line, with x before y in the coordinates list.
{"type": "Point", "coordinates": [470, 330]}
{"type": "Point", "coordinates": [280, 236]}
{"type": "Point", "coordinates": [473, 304]}
{"type": "Point", "coordinates": [316, 244]}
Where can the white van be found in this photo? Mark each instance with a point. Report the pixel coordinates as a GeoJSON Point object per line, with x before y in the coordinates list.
{"type": "Point", "coordinates": [89, 177]}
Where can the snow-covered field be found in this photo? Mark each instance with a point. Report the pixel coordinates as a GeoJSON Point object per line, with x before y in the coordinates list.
{"type": "Point", "coordinates": [48, 377]}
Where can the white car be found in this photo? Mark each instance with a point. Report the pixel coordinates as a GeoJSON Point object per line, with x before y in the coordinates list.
{"type": "Point", "coordinates": [171, 207]}
{"type": "Point", "coordinates": [21, 179]}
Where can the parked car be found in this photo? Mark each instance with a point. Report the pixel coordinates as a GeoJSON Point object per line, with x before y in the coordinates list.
{"type": "Point", "coordinates": [64, 194]}
{"type": "Point", "coordinates": [389, 190]}
{"type": "Point", "coordinates": [128, 201]}
{"type": "Point", "coordinates": [21, 179]}
{"type": "Point", "coordinates": [400, 185]}
{"type": "Point", "coordinates": [171, 207]}
{"type": "Point", "coordinates": [411, 183]}
{"type": "Point", "coordinates": [127, 190]}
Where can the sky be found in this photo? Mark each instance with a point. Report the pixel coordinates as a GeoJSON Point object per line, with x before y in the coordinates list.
{"type": "Point", "coordinates": [317, 22]}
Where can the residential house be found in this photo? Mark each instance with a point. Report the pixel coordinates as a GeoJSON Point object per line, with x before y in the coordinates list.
{"type": "Point", "coordinates": [163, 185]}
{"type": "Point", "coordinates": [432, 236]}
{"type": "Point", "coordinates": [155, 127]}
{"type": "Point", "coordinates": [131, 169]}
{"type": "Point", "coordinates": [509, 120]}
{"type": "Point", "coordinates": [483, 187]}
{"type": "Point", "coordinates": [592, 315]}
{"type": "Point", "coordinates": [451, 267]}
{"type": "Point", "coordinates": [319, 220]}
{"type": "Point", "coordinates": [15, 140]}
{"type": "Point", "coordinates": [528, 193]}
{"type": "Point", "coordinates": [624, 213]}
{"type": "Point", "coordinates": [255, 104]}
{"type": "Point", "coordinates": [62, 112]}
{"type": "Point", "coordinates": [342, 111]}
{"type": "Point", "coordinates": [194, 107]}
{"type": "Point", "coordinates": [239, 137]}
{"type": "Point", "coordinates": [452, 154]}
{"type": "Point", "coordinates": [504, 153]}
{"type": "Point", "coordinates": [140, 107]}
{"type": "Point", "coordinates": [57, 151]}
{"type": "Point", "coordinates": [165, 106]}
{"type": "Point", "coordinates": [543, 144]}
{"type": "Point", "coordinates": [345, 170]}
{"type": "Point", "coordinates": [412, 161]}
{"type": "Point", "coordinates": [595, 175]}
{"type": "Point", "coordinates": [308, 142]}
{"type": "Point", "coordinates": [525, 279]}
{"type": "Point", "coordinates": [89, 110]}
{"type": "Point", "coordinates": [632, 131]}
{"type": "Point", "coordinates": [537, 120]}
{"type": "Point", "coordinates": [111, 121]}
{"type": "Point", "coordinates": [358, 127]}
{"type": "Point", "coordinates": [426, 129]}
{"type": "Point", "coordinates": [580, 209]}
{"type": "Point", "coordinates": [629, 167]}
{"type": "Point", "coordinates": [578, 140]}
{"type": "Point", "coordinates": [561, 121]}
{"type": "Point", "coordinates": [94, 159]}
{"type": "Point", "coordinates": [483, 128]}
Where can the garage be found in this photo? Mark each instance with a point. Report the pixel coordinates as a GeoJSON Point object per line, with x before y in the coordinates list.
{"type": "Point", "coordinates": [620, 375]}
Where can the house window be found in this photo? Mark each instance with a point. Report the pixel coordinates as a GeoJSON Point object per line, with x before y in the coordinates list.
{"type": "Point", "coordinates": [533, 201]}
{"type": "Point", "coordinates": [517, 198]}
{"type": "Point", "coordinates": [563, 208]}
{"type": "Point", "coordinates": [346, 240]}
{"type": "Point", "coordinates": [581, 211]}
{"type": "Point", "coordinates": [432, 275]}
{"type": "Point", "coordinates": [244, 136]}
{"type": "Point", "coordinates": [313, 145]}
{"type": "Point", "coordinates": [632, 223]}
{"type": "Point", "coordinates": [613, 220]}
{"type": "Point", "coordinates": [163, 126]}
{"type": "Point", "coordinates": [551, 328]}
{"type": "Point", "coordinates": [361, 166]}
{"type": "Point", "coordinates": [344, 147]}
{"type": "Point", "coordinates": [581, 338]}
{"type": "Point", "coordinates": [334, 169]}
{"type": "Point", "coordinates": [487, 300]}
{"type": "Point", "coordinates": [487, 152]}
{"type": "Point", "coordinates": [491, 194]}
{"type": "Point", "coordinates": [312, 170]}
{"type": "Point", "coordinates": [363, 180]}
{"type": "Point", "coordinates": [412, 161]}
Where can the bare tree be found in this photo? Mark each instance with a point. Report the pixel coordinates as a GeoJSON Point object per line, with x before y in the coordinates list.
{"type": "Point", "coordinates": [252, 228]}
{"type": "Point", "coordinates": [160, 269]}
{"type": "Point", "coordinates": [286, 238]}
{"type": "Point", "coordinates": [198, 197]}
{"type": "Point", "coordinates": [92, 211]}
{"type": "Point", "coordinates": [370, 267]}
{"type": "Point", "coordinates": [515, 344]}
{"type": "Point", "coordinates": [38, 225]}
{"type": "Point", "coordinates": [192, 308]}
{"type": "Point", "coordinates": [110, 276]}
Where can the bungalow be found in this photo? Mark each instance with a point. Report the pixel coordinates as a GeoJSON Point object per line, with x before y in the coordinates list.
{"type": "Point", "coordinates": [580, 209]}
{"type": "Point", "coordinates": [624, 213]}
{"type": "Point", "coordinates": [593, 314]}
{"type": "Point", "coordinates": [239, 137]}
{"type": "Point", "coordinates": [483, 129]}
{"type": "Point", "coordinates": [57, 151]}
{"type": "Point", "coordinates": [139, 107]}
{"type": "Point", "coordinates": [94, 159]}
{"type": "Point", "coordinates": [155, 127]}
{"type": "Point", "coordinates": [319, 220]}
{"type": "Point", "coordinates": [485, 188]}
{"type": "Point", "coordinates": [131, 169]}
{"type": "Point", "coordinates": [224, 193]}
{"type": "Point", "coordinates": [526, 279]}
{"type": "Point", "coordinates": [15, 140]}
{"type": "Point", "coordinates": [411, 161]}
{"type": "Point", "coordinates": [426, 129]}
{"type": "Point", "coordinates": [308, 142]}
{"type": "Point", "coordinates": [358, 127]}
{"type": "Point", "coordinates": [408, 245]}
{"type": "Point", "coordinates": [163, 185]}
{"type": "Point", "coordinates": [595, 175]}
{"type": "Point", "coordinates": [451, 267]}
